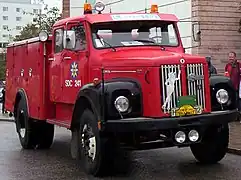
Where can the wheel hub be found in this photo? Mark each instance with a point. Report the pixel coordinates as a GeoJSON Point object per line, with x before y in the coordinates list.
{"type": "Point", "coordinates": [88, 141]}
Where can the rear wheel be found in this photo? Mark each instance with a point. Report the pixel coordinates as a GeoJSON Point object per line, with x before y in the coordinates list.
{"type": "Point", "coordinates": [214, 145]}
{"type": "Point", "coordinates": [45, 135]}
{"type": "Point", "coordinates": [25, 126]}
{"type": "Point", "coordinates": [32, 133]}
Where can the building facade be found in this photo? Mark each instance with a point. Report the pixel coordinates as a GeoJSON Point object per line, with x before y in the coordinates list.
{"type": "Point", "coordinates": [14, 14]}
{"type": "Point", "coordinates": [218, 19]}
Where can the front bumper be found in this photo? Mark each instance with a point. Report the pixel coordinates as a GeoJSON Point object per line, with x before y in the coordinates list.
{"type": "Point", "coordinates": [151, 124]}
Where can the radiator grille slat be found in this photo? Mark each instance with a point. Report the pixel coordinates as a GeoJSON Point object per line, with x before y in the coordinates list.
{"type": "Point", "coordinates": [165, 72]}
{"type": "Point", "coordinates": [195, 84]}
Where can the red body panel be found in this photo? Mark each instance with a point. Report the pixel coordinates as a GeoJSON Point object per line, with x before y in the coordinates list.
{"type": "Point", "coordinates": [29, 59]}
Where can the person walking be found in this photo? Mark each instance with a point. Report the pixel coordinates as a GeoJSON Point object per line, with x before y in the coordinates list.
{"type": "Point", "coordinates": [3, 102]}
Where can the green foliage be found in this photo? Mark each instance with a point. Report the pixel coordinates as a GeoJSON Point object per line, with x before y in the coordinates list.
{"type": "Point", "coordinates": [42, 21]}
{"type": "Point", "coordinates": [2, 66]}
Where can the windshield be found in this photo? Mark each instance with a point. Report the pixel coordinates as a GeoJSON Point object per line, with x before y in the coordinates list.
{"type": "Point", "coordinates": [134, 33]}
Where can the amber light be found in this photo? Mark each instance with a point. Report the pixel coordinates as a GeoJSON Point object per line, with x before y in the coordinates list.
{"type": "Point", "coordinates": [87, 8]}
{"type": "Point", "coordinates": [154, 8]}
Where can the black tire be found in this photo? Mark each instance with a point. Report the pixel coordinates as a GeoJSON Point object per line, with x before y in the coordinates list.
{"type": "Point", "coordinates": [214, 145]}
{"type": "Point", "coordinates": [45, 133]}
{"type": "Point", "coordinates": [102, 160]}
{"type": "Point", "coordinates": [28, 139]}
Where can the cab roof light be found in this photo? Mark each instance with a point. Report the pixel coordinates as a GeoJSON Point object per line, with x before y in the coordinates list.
{"type": "Point", "coordinates": [154, 8]}
{"type": "Point", "coordinates": [87, 8]}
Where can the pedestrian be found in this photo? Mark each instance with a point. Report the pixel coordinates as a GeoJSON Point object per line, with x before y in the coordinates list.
{"type": "Point", "coordinates": [3, 102]}
{"type": "Point", "coordinates": [232, 70]}
{"type": "Point", "coordinates": [211, 68]}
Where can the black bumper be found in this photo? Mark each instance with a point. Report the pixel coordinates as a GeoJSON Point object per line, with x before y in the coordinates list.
{"type": "Point", "coordinates": [149, 124]}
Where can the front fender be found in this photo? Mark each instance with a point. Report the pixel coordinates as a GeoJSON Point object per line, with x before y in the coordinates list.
{"type": "Point", "coordinates": [103, 106]}
{"type": "Point", "coordinates": [217, 82]}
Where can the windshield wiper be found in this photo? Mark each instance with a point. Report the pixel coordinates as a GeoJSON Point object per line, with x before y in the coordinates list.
{"type": "Point", "coordinates": [145, 40]}
{"type": "Point", "coordinates": [102, 40]}
{"type": "Point", "coordinates": [150, 41]}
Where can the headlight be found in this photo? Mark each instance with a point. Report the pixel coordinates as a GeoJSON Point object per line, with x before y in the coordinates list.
{"type": "Point", "coordinates": [222, 96]}
{"type": "Point", "coordinates": [43, 36]}
{"type": "Point", "coordinates": [121, 104]}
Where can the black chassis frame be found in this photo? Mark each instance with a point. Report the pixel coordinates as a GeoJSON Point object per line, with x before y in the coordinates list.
{"type": "Point", "coordinates": [139, 132]}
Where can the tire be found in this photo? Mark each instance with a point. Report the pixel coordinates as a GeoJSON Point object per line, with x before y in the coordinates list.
{"type": "Point", "coordinates": [45, 133]}
{"type": "Point", "coordinates": [25, 126]}
{"type": "Point", "coordinates": [99, 160]}
{"type": "Point", "coordinates": [214, 145]}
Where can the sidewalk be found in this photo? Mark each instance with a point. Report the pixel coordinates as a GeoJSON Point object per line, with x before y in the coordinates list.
{"type": "Point", "coordinates": [235, 138]}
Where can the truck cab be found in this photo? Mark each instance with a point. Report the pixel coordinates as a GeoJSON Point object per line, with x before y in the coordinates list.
{"type": "Point", "coordinates": [118, 80]}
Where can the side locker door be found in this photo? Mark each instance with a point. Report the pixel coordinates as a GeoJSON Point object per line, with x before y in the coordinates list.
{"type": "Point", "coordinates": [55, 61]}
{"type": "Point", "coordinates": [74, 64]}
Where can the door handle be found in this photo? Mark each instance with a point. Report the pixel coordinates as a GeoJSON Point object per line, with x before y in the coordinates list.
{"type": "Point", "coordinates": [67, 58]}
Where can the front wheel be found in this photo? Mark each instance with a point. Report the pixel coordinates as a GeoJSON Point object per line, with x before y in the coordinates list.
{"type": "Point", "coordinates": [93, 151]}
{"type": "Point", "coordinates": [214, 145]}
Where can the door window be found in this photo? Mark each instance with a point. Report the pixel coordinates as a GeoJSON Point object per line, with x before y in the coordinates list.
{"type": "Point", "coordinates": [58, 40]}
{"type": "Point", "coordinates": [80, 39]}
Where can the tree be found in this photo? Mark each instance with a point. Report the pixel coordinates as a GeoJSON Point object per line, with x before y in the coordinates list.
{"type": "Point", "coordinates": [42, 21]}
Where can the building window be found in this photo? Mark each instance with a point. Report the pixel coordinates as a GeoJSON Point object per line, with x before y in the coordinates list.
{"type": "Point", "coordinates": [5, 8]}
{"type": "Point", "coordinates": [35, 11]}
{"type": "Point", "coordinates": [5, 18]}
{"type": "Point", "coordinates": [5, 27]}
{"type": "Point", "coordinates": [17, 9]}
{"type": "Point", "coordinates": [18, 18]}
{"type": "Point", "coordinates": [5, 35]}
{"type": "Point", "coordinates": [18, 27]}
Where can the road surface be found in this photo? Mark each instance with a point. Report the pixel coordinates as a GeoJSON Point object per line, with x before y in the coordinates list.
{"type": "Point", "coordinates": [56, 163]}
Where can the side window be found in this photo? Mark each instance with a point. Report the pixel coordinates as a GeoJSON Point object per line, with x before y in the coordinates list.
{"type": "Point", "coordinates": [58, 40]}
{"type": "Point", "coordinates": [80, 37]}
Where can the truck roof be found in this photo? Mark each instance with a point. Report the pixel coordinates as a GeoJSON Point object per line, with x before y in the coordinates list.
{"type": "Point", "coordinates": [111, 17]}
{"type": "Point", "coordinates": [26, 41]}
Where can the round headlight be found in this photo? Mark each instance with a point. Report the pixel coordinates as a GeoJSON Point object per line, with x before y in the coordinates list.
{"type": "Point", "coordinates": [99, 6]}
{"type": "Point", "coordinates": [43, 36]}
{"type": "Point", "coordinates": [222, 96]}
{"type": "Point", "coordinates": [121, 104]}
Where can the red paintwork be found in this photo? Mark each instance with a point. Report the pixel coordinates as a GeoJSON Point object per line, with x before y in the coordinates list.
{"type": "Point", "coordinates": [48, 98]}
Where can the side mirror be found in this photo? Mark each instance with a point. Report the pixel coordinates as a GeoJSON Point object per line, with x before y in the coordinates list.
{"type": "Point", "coordinates": [69, 39]}
{"type": "Point", "coordinates": [196, 32]}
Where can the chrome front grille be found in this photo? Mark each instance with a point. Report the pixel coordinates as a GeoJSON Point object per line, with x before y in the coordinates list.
{"type": "Point", "coordinates": [195, 84]}
{"type": "Point", "coordinates": [165, 72]}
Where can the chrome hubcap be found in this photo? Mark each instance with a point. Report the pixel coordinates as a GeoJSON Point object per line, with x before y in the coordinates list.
{"type": "Point", "coordinates": [22, 130]}
{"type": "Point", "coordinates": [88, 142]}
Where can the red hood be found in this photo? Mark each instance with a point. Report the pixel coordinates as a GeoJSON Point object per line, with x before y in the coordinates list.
{"type": "Point", "coordinates": [146, 57]}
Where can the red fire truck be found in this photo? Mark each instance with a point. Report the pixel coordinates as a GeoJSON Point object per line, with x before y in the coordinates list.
{"type": "Point", "coordinates": [117, 80]}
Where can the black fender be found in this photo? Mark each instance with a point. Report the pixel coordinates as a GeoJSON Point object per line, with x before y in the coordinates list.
{"type": "Point", "coordinates": [90, 96]}
{"type": "Point", "coordinates": [220, 81]}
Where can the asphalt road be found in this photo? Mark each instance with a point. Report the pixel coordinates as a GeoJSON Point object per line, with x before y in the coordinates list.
{"type": "Point", "coordinates": [56, 163]}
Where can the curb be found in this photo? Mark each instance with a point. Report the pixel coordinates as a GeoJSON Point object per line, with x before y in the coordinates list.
{"type": "Point", "coordinates": [234, 151]}
{"type": "Point", "coordinates": [6, 120]}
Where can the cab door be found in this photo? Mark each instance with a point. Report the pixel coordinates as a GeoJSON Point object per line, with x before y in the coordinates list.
{"type": "Point", "coordinates": [74, 64]}
{"type": "Point", "coordinates": [55, 60]}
